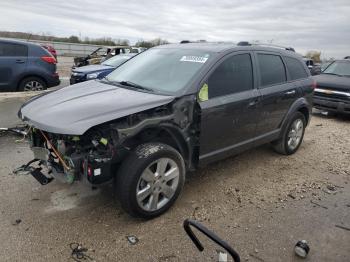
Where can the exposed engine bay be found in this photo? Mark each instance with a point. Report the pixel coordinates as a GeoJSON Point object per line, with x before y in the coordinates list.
{"type": "Point", "coordinates": [95, 155]}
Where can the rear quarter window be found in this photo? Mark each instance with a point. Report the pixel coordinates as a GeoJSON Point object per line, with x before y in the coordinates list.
{"type": "Point", "coordinates": [295, 68]}
{"type": "Point", "coordinates": [11, 49]}
{"type": "Point", "coordinates": [272, 70]}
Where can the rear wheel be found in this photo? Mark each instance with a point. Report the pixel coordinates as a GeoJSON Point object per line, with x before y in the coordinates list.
{"type": "Point", "coordinates": [292, 136]}
{"type": "Point", "coordinates": [150, 180]}
{"type": "Point", "coordinates": [32, 84]}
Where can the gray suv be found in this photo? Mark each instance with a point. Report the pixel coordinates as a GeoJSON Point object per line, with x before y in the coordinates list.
{"type": "Point", "coordinates": [26, 66]}
{"type": "Point", "coordinates": [167, 111]}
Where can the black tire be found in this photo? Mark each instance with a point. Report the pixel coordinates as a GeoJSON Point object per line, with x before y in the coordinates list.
{"type": "Point", "coordinates": [127, 180]}
{"type": "Point", "coordinates": [281, 146]}
{"type": "Point", "coordinates": [25, 81]}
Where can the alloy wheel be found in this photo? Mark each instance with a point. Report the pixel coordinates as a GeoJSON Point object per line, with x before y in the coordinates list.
{"type": "Point", "coordinates": [157, 184]}
{"type": "Point", "coordinates": [33, 86]}
{"type": "Point", "coordinates": [295, 134]}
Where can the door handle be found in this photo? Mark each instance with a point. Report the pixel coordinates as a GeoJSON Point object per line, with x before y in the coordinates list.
{"type": "Point", "coordinates": [19, 61]}
{"type": "Point", "coordinates": [290, 93]}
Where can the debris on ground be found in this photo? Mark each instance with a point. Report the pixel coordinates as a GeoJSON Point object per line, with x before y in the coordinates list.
{"type": "Point", "coordinates": [133, 240]}
{"type": "Point", "coordinates": [256, 257]}
{"type": "Point", "coordinates": [15, 130]}
{"type": "Point", "coordinates": [21, 131]}
{"type": "Point", "coordinates": [302, 248]}
{"type": "Point", "coordinates": [168, 258]}
{"type": "Point", "coordinates": [291, 196]}
{"type": "Point", "coordinates": [343, 227]}
{"type": "Point", "coordinates": [78, 252]}
{"type": "Point", "coordinates": [16, 222]}
{"type": "Point", "coordinates": [313, 202]}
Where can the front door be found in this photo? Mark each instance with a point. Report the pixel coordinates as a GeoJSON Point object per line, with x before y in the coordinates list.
{"type": "Point", "coordinates": [229, 115]}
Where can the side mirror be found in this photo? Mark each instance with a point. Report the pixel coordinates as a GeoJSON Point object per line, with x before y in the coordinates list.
{"type": "Point", "coordinates": [187, 226]}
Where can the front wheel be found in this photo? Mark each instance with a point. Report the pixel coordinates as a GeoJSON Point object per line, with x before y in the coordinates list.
{"type": "Point", "coordinates": [150, 180]}
{"type": "Point", "coordinates": [292, 136]}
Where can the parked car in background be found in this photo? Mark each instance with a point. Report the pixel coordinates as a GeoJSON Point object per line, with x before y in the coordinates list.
{"type": "Point", "coordinates": [26, 66]}
{"type": "Point", "coordinates": [135, 49]}
{"type": "Point", "coordinates": [315, 69]}
{"type": "Point", "coordinates": [51, 49]}
{"type": "Point", "coordinates": [167, 111]}
{"type": "Point", "coordinates": [81, 74]}
{"type": "Point", "coordinates": [100, 54]}
{"type": "Point", "coordinates": [333, 88]}
{"type": "Point", "coordinates": [324, 65]}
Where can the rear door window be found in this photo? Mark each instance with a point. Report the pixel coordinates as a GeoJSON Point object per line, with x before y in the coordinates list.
{"type": "Point", "coordinates": [272, 70]}
{"type": "Point", "coordinates": [295, 68]}
{"type": "Point", "coordinates": [10, 49]}
{"type": "Point", "coordinates": [233, 75]}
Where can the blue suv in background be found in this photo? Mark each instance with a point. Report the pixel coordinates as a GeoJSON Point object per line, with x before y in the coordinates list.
{"type": "Point", "coordinates": [26, 66]}
{"type": "Point", "coordinates": [89, 72]}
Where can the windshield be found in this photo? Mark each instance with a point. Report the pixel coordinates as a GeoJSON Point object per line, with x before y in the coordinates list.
{"type": "Point", "coordinates": [116, 60]}
{"type": "Point", "coordinates": [161, 70]}
{"type": "Point", "coordinates": [338, 68]}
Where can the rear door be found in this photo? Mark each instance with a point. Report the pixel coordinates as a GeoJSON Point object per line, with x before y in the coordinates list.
{"type": "Point", "coordinates": [228, 117]}
{"type": "Point", "coordinates": [13, 63]}
{"type": "Point", "coordinates": [277, 94]}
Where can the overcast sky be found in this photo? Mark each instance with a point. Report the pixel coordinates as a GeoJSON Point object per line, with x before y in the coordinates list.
{"type": "Point", "coordinates": [304, 24]}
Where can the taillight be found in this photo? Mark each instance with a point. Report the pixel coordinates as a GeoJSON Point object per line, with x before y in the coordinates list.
{"type": "Point", "coordinates": [49, 59]}
{"type": "Point", "coordinates": [89, 171]}
{"type": "Point", "coordinates": [314, 84]}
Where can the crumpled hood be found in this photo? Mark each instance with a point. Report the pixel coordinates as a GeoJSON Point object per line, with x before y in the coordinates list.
{"type": "Point", "coordinates": [74, 109]}
{"type": "Point", "coordinates": [92, 68]}
{"type": "Point", "coordinates": [341, 83]}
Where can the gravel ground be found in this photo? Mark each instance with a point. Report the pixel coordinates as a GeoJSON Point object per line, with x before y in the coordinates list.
{"type": "Point", "coordinates": [260, 202]}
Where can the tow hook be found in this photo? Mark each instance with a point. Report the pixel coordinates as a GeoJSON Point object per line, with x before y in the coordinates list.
{"type": "Point", "coordinates": [35, 172]}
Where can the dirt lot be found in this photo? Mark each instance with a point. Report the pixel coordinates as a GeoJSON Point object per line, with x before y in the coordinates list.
{"type": "Point", "coordinates": [260, 202]}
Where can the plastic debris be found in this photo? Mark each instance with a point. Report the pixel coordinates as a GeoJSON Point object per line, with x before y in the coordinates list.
{"type": "Point", "coordinates": [302, 248]}
{"type": "Point", "coordinates": [132, 240]}
{"type": "Point", "coordinates": [78, 252]}
{"type": "Point", "coordinates": [16, 222]}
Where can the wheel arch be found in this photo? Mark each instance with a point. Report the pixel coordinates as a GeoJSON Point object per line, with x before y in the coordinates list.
{"type": "Point", "coordinates": [164, 133]}
{"type": "Point", "coordinates": [28, 76]}
{"type": "Point", "coordinates": [301, 105]}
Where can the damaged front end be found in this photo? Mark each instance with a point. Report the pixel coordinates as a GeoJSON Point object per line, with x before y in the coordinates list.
{"type": "Point", "coordinates": [95, 155]}
{"type": "Point", "coordinates": [70, 158]}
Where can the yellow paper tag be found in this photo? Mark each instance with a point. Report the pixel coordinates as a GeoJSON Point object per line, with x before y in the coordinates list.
{"type": "Point", "coordinates": [203, 93]}
{"type": "Point", "coordinates": [104, 141]}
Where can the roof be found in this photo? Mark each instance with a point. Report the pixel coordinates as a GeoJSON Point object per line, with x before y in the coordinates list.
{"type": "Point", "coordinates": [222, 47]}
{"type": "Point", "coordinates": [18, 42]}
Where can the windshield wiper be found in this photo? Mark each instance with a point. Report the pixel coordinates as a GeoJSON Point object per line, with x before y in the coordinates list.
{"type": "Point", "coordinates": [331, 74]}
{"type": "Point", "coordinates": [134, 85]}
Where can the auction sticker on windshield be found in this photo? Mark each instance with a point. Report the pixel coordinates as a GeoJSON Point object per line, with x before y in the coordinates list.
{"type": "Point", "coordinates": [196, 59]}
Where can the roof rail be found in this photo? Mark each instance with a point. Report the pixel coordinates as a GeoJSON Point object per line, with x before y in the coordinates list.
{"type": "Point", "coordinates": [246, 43]}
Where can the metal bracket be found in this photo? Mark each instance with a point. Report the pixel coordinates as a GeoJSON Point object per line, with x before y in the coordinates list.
{"type": "Point", "coordinates": [209, 234]}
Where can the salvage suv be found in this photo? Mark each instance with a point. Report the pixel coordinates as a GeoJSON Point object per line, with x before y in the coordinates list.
{"type": "Point", "coordinates": [169, 110]}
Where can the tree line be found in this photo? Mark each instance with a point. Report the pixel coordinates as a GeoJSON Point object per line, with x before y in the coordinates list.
{"type": "Point", "coordinates": [108, 41]}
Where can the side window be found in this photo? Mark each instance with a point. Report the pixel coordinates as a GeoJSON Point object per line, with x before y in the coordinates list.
{"type": "Point", "coordinates": [9, 49]}
{"type": "Point", "coordinates": [233, 75]}
{"type": "Point", "coordinates": [295, 68]}
{"type": "Point", "coordinates": [272, 70]}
